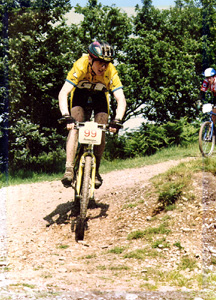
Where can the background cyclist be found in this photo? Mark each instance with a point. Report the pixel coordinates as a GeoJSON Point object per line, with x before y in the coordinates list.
{"type": "Point", "coordinates": [209, 83]}
{"type": "Point", "coordinates": [90, 80]}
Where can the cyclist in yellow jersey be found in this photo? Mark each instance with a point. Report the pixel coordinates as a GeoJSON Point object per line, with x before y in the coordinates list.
{"type": "Point", "coordinates": [90, 80]}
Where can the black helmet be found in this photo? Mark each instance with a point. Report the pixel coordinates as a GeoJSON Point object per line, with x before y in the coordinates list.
{"type": "Point", "coordinates": [101, 51]}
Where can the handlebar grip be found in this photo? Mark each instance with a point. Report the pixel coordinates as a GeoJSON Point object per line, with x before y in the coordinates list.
{"type": "Point", "coordinates": [66, 120]}
{"type": "Point", "coordinates": [115, 124]}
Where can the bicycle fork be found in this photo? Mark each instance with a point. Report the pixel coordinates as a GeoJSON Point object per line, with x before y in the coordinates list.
{"type": "Point", "coordinates": [208, 135]}
{"type": "Point", "coordinates": [80, 174]}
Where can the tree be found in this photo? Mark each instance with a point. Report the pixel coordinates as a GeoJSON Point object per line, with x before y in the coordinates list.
{"type": "Point", "coordinates": [36, 69]}
{"type": "Point", "coordinates": [208, 32]}
{"type": "Point", "coordinates": [4, 83]}
{"type": "Point", "coordinates": [165, 56]}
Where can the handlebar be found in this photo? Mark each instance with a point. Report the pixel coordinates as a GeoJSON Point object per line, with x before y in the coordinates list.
{"type": "Point", "coordinates": [77, 125]}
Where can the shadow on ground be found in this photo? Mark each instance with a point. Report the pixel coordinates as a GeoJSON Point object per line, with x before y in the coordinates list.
{"type": "Point", "coordinates": [65, 211]}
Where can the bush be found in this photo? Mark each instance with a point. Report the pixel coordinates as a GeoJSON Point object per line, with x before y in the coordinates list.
{"type": "Point", "coordinates": [35, 149]}
{"type": "Point", "coordinates": [150, 138]}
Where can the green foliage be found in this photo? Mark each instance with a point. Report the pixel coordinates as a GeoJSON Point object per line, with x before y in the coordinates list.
{"type": "Point", "coordinates": [138, 234]}
{"type": "Point", "coordinates": [178, 245]}
{"type": "Point", "coordinates": [170, 188]}
{"type": "Point", "coordinates": [187, 263]}
{"type": "Point", "coordinates": [166, 54]}
{"type": "Point", "coordinates": [63, 246]}
{"type": "Point", "coordinates": [36, 69]}
{"type": "Point", "coordinates": [174, 184]}
{"type": "Point", "coordinates": [142, 254]}
{"type": "Point", "coordinates": [161, 243]}
{"type": "Point", "coordinates": [150, 138]}
{"type": "Point", "coordinates": [117, 250]}
{"type": "Point", "coordinates": [32, 149]}
{"type": "Point", "coordinates": [170, 194]}
{"type": "Point", "coordinates": [209, 165]}
{"type": "Point", "coordinates": [159, 56]}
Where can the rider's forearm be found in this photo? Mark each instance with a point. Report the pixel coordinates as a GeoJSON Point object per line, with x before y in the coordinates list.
{"type": "Point", "coordinates": [63, 98]}
{"type": "Point", "coordinates": [120, 111]}
{"type": "Point", "coordinates": [121, 104]}
{"type": "Point", "coordinates": [63, 106]}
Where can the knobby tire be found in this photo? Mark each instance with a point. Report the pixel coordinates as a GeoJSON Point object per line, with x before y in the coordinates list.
{"type": "Point", "coordinates": [85, 190]}
{"type": "Point", "coordinates": [206, 141]}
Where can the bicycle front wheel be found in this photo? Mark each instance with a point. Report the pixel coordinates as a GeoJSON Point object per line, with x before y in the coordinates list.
{"type": "Point", "coordinates": [206, 139]}
{"type": "Point", "coordinates": [85, 194]}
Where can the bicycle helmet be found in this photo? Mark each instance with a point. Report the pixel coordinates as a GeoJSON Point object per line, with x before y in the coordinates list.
{"type": "Point", "coordinates": [209, 72]}
{"type": "Point", "coordinates": [101, 51]}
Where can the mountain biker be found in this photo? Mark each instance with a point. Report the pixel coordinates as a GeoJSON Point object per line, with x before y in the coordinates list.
{"type": "Point", "coordinates": [90, 79]}
{"type": "Point", "coordinates": [209, 83]}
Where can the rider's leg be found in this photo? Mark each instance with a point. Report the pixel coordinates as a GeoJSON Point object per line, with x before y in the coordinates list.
{"type": "Point", "coordinates": [101, 118]}
{"type": "Point", "coordinates": [77, 113]}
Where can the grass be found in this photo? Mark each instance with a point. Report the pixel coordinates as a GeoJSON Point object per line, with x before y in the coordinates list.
{"type": "Point", "coordinates": [119, 268]}
{"type": "Point", "coordinates": [117, 250]}
{"type": "Point", "coordinates": [173, 278]}
{"type": "Point", "coordinates": [142, 253]}
{"type": "Point", "coordinates": [31, 286]}
{"type": "Point", "coordinates": [129, 205]}
{"type": "Point", "coordinates": [30, 177]}
{"type": "Point", "coordinates": [62, 246]}
{"type": "Point", "coordinates": [161, 243]}
{"type": "Point", "coordinates": [175, 184]}
{"type": "Point", "coordinates": [213, 260]}
{"type": "Point", "coordinates": [171, 153]}
{"type": "Point", "coordinates": [89, 256]}
{"type": "Point", "coordinates": [187, 263]}
{"type": "Point", "coordinates": [170, 278]}
{"type": "Point", "coordinates": [149, 286]}
{"type": "Point", "coordinates": [210, 281]}
{"type": "Point", "coordinates": [148, 232]}
{"type": "Point", "coordinates": [178, 245]}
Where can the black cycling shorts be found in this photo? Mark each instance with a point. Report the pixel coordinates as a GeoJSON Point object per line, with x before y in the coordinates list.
{"type": "Point", "coordinates": [97, 101]}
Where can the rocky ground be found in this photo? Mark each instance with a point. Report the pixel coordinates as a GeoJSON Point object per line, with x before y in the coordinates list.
{"type": "Point", "coordinates": [40, 258]}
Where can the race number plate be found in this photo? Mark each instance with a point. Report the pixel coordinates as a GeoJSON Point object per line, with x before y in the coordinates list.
{"type": "Point", "coordinates": [90, 134]}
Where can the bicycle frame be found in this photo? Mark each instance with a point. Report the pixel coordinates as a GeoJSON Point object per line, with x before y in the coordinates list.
{"type": "Point", "coordinates": [212, 127]}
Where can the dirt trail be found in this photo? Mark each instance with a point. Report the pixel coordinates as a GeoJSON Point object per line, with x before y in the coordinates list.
{"type": "Point", "coordinates": [45, 261]}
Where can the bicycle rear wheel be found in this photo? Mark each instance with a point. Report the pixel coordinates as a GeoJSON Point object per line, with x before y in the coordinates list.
{"type": "Point", "coordinates": [85, 192]}
{"type": "Point", "coordinates": [206, 139]}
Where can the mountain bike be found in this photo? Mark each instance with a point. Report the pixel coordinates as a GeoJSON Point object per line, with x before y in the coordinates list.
{"type": "Point", "coordinates": [90, 134]}
{"type": "Point", "coordinates": [207, 131]}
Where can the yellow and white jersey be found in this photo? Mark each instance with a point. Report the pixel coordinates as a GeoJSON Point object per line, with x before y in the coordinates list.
{"type": "Point", "coordinates": [81, 76]}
